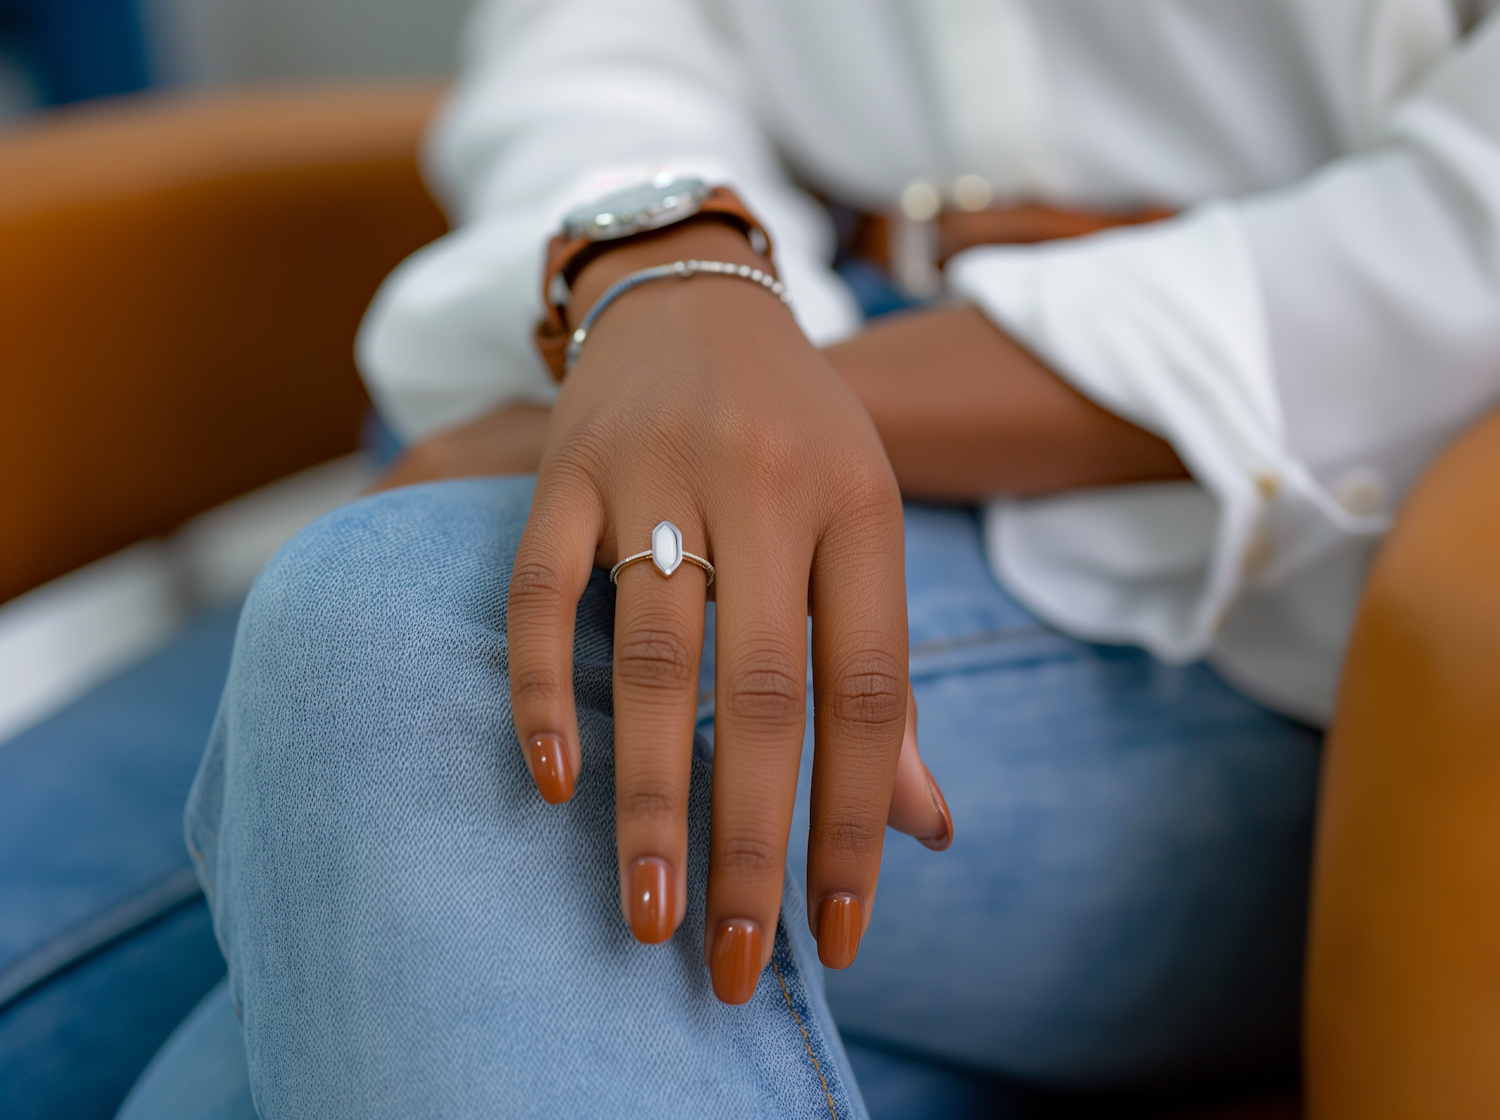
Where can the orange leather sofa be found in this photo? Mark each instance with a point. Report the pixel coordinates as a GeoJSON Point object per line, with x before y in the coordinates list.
{"type": "Point", "coordinates": [180, 281]}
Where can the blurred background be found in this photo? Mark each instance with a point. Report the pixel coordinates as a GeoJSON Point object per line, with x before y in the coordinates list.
{"type": "Point", "coordinates": [180, 282]}
{"type": "Point", "coordinates": [59, 51]}
{"type": "Point", "coordinates": [181, 278]}
{"type": "Point", "coordinates": [64, 637]}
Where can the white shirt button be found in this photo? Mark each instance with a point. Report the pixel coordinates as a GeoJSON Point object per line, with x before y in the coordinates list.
{"type": "Point", "coordinates": [1362, 491]}
{"type": "Point", "coordinates": [921, 202]}
{"type": "Point", "coordinates": [1258, 554]}
{"type": "Point", "coordinates": [972, 192]}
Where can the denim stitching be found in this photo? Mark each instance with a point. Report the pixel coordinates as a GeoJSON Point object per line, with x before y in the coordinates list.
{"type": "Point", "coordinates": [805, 1040]}
{"type": "Point", "coordinates": [999, 636]}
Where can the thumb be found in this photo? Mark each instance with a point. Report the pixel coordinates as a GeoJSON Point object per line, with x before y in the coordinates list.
{"type": "Point", "coordinates": [917, 805]}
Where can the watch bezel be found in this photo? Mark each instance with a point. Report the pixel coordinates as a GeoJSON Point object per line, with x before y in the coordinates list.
{"type": "Point", "coordinates": [637, 209]}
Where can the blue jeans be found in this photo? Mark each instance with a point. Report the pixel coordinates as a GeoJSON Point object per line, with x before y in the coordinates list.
{"type": "Point", "coordinates": [412, 932]}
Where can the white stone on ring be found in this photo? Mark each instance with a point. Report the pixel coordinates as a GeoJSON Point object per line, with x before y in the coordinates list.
{"type": "Point", "coordinates": [666, 553]}
{"type": "Point", "coordinates": [666, 547]}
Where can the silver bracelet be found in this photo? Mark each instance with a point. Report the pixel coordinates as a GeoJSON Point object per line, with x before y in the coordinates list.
{"type": "Point", "coordinates": [681, 270]}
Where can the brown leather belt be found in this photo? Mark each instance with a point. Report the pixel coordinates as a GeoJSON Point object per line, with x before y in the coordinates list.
{"type": "Point", "coordinates": [893, 241]}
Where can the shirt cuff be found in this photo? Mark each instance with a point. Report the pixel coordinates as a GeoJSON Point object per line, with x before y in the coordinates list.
{"type": "Point", "coordinates": [1164, 326]}
{"type": "Point", "coordinates": [449, 335]}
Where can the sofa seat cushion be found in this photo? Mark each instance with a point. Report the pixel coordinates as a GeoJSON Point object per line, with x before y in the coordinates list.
{"type": "Point", "coordinates": [105, 943]}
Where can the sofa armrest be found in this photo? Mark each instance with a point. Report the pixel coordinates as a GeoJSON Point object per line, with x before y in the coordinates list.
{"type": "Point", "coordinates": [1403, 1008]}
{"type": "Point", "coordinates": [180, 283]}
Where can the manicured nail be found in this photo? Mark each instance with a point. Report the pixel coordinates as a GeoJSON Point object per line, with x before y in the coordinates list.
{"type": "Point", "coordinates": [651, 903]}
{"type": "Point", "coordinates": [841, 923]}
{"type": "Point", "coordinates": [550, 767]}
{"type": "Point", "coordinates": [734, 963]}
{"type": "Point", "coordinates": [944, 838]}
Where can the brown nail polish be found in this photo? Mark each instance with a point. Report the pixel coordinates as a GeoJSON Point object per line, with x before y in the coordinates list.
{"type": "Point", "coordinates": [942, 839]}
{"type": "Point", "coordinates": [735, 960]}
{"type": "Point", "coordinates": [841, 923]}
{"type": "Point", "coordinates": [652, 906]}
{"type": "Point", "coordinates": [550, 767]}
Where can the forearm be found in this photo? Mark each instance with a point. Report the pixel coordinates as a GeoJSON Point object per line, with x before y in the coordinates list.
{"type": "Point", "coordinates": [506, 440]}
{"type": "Point", "coordinates": [965, 413]}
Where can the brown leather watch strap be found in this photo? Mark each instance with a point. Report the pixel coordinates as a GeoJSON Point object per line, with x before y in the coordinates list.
{"type": "Point", "coordinates": [566, 257]}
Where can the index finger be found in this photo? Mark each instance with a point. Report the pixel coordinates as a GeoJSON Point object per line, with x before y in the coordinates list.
{"type": "Point", "coordinates": [551, 570]}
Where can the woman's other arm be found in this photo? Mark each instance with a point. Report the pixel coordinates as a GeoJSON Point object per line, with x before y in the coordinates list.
{"type": "Point", "coordinates": [964, 413]}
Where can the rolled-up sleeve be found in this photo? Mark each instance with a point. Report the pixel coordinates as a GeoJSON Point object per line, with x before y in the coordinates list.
{"type": "Point", "coordinates": [1306, 352]}
{"type": "Point", "coordinates": [559, 102]}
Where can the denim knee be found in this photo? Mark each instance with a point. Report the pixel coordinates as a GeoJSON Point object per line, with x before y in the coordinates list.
{"type": "Point", "coordinates": [377, 563]}
{"type": "Point", "coordinates": [410, 929]}
{"type": "Point", "coordinates": [383, 616]}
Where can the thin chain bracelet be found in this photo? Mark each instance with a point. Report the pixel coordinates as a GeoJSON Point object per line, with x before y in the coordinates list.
{"type": "Point", "coordinates": [680, 269]}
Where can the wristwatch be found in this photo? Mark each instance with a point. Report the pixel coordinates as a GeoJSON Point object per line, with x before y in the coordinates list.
{"type": "Point", "coordinates": [591, 229]}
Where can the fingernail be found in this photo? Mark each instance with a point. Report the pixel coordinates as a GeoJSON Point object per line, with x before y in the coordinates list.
{"type": "Point", "coordinates": [651, 903]}
{"type": "Point", "coordinates": [550, 767]}
{"type": "Point", "coordinates": [942, 839]}
{"type": "Point", "coordinates": [841, 923]}
{"type": "Point", "coordinates": [735, 961]}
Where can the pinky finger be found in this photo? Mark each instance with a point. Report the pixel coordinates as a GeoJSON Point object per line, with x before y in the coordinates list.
{"type": "Point", "coordinates": [918, 807]}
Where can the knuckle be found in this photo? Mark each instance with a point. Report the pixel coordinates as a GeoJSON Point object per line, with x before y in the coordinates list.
{"type": "Point", "coordinates": [770, 459]}
{"type": "Point", "coordinates": [650, 800]}
{"type": "Point", "coordinates": [655, 658]}
{"type": "Point", "coordinates": [850, 839]}
{"type": "Point", "coordinates": [535, 687]}
{"type": "Point", "coordinates": [536, 584]}
{"type": "Point", "coordinates": [581, 452]}
{"type": "Point", "coordinates": [870, 490]}
{"type": "Point", "coordinates": [775, 471]}
{"type": "Point", "coordinates": [749, 855]}
{"type": "Point", "coordinates": [870, 694]}
{"type": "Point", "coordinates": [770, 691]}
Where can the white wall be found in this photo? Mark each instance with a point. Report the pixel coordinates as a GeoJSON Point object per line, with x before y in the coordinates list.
{"type": "Point", "coordinates": [212, 42]}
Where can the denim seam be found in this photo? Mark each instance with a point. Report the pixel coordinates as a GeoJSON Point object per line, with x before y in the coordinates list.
{"type": "Point", "coordinates": [1000, 636]}
{"type": "Point", "coordinates": [987, 656]}
{"type": "Point", "coordinates": [111, 924]}
{"type": "Point", "coordinates": [807, 1042]}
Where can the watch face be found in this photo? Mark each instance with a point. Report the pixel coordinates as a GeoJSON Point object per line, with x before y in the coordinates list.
{"type": "Point", "coordinates": [649, 205]}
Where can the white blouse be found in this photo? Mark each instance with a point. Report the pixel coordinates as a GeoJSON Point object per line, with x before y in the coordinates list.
{"type": "Point", "coordinates": [1319, 321]}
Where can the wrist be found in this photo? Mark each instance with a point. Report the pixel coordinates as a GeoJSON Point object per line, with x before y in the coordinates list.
{"type": "Point", "coordinates": [705, 239]}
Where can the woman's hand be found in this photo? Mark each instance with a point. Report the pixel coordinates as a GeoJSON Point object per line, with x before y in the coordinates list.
{"type": "Point", "coordinates": [700, 402]}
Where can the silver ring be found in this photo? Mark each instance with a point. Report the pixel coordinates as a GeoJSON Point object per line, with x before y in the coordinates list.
{"type": "Point", "coordinates": [666, 553]}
